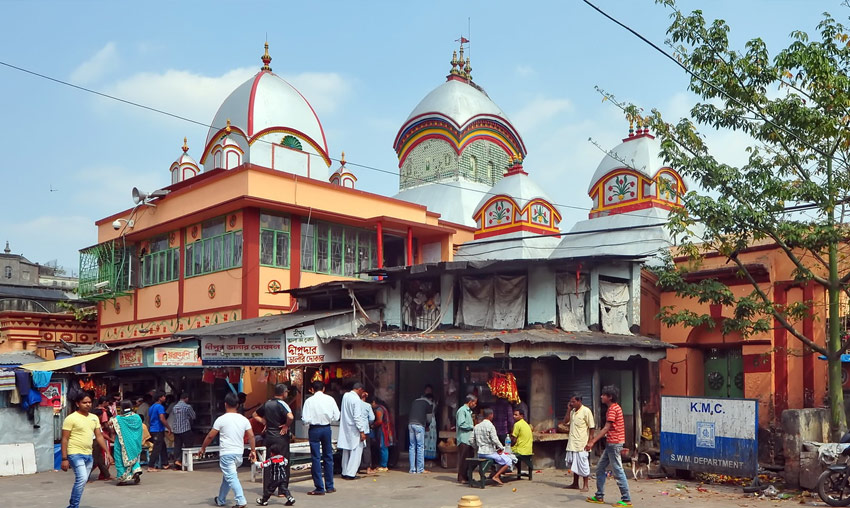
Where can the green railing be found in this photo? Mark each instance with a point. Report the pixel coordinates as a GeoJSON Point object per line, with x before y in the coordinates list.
{"type": "Point", "coordinates": [106, 270]}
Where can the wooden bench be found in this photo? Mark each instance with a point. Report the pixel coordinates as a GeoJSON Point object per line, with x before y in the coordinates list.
{"type": "Point", "coordinates": [528, 460]}
{"type": "Point", "coordinates": [190, 458]}
{"type": "Point", "coordinates": [482, 466]}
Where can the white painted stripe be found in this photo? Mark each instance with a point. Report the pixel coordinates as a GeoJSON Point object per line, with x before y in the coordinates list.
{"type": "Point", "coordinates": [734, 418]}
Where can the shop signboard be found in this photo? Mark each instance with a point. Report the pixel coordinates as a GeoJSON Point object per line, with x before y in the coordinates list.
{"type": "Point", "coordinates": [710, 435]}
{"type": "Point", "coordinates": [176, 357]}
{"type": "Point", "coordinates": [421, 351]}
{"type": "Point", "coordinates": [303, 347]}
{"type": "Point", "coordinates": [234, 351]}
{"type": "Point", "coordinates": [131, 358]}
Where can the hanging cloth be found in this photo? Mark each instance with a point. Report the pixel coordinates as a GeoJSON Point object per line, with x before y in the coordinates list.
{"type": "Point", "coordinates": [614, 302]}
{"type": "Point", "coordinates": [571, 302]}
{"type": "Point", "coordinates": [41, 378]}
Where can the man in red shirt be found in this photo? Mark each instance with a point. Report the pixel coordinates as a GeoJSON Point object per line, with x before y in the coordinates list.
{"type": "Point", "coordinates": [615, 431]}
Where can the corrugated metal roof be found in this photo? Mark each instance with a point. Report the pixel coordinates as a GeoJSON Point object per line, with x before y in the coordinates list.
{"type": "Point", "coordinates": [149, 343]}
{"type": "Point", "coordinates": [32, 292]}
{"type": "Point", "coordinates": [260, 326]}
{"type": "Point", "coordinates": [16, 358]}
{"type": "Point", "coordinates": [534, 336]}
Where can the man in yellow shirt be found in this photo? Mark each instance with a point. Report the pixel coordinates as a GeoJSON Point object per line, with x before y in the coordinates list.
{"type": "Point", "coordinates": [79, 429]}
{"type": "Point", "coordinates": [580, 420]}
{"type": "Point", "coordinates": [522, 434]}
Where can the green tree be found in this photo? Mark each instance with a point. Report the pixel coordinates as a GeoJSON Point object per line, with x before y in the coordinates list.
{"type": "Point", "coordinates": [795, 106]}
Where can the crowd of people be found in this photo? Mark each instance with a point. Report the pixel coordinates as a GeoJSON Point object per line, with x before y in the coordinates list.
{"type": "Point", "coordinates": [499, 433]}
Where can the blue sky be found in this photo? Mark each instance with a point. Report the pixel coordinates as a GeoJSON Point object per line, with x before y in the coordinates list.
{"type": "Point", "coordinates": [363, 65]}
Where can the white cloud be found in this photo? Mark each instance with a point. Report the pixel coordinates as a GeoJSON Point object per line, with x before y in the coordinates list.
{"type": "Point", "coordinates": [197, 97]}
{"type": "Point", "coordinates": [539, 111]}
{"type": "Point", "coordinates": [97, 66]}
{"type": "Point", "coordinates": [324, 90]}
{"type": "Point", "coordinates": [525, 71]}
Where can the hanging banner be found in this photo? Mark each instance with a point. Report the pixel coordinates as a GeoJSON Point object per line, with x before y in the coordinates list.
{"type": "Point", "coordinates": [421, 351]}
{"type": "Point", "coordinates": [235, 351]}
{"type": "Point", "coordinates": [131, 358]}
{"type": "Point", "coordinates": [710, 435]}
{"type": "Point", "coordinates": [303, 347]}
{"type": "Point", "coordinates": [176, 357]}
{"type": "Point", "coordinates": [51, 396]}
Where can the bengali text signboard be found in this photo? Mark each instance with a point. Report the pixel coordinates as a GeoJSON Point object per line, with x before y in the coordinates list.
{"type": "Point", "coordinates": [303, 347]}
{"type": "Point", "coordinates": [176, 357]}
{"type": "Point", "coordinates": [243, 351]}
{"type": "Point", "coordinates": [710, 435]}
{"type": "Point", "coordinates": [131, 358]}
{"type": "Point", "coordinates": [421, 351]}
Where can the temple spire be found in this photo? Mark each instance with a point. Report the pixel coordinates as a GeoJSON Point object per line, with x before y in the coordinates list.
{"type": "Point", "coordinates": [185, 145]}
{"type": "Point", "coordinates": [267, 59]}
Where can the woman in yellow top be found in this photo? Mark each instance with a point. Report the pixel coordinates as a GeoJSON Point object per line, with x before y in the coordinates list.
{"type": "Point", "coordinates": [79, 429]}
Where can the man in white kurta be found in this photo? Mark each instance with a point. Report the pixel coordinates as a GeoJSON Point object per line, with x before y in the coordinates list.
{"type": "Point", "coordinates": [352, 431]}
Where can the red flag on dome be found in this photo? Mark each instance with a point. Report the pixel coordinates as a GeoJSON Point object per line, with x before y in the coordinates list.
{"type": "Point", "coordinates": [462, 40]}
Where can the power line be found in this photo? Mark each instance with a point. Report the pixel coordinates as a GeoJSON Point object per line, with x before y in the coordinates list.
{"type": "Point", "coordinates": [208, 126]}
{"type": "Point", "coordinates": [703, 80]}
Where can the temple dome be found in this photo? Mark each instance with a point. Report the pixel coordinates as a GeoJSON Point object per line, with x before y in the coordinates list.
{"type": "Point", "coordinates": [264, 105]}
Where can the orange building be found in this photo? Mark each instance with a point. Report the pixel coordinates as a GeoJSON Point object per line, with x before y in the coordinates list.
{"type": "Point", "coordinates": [773, 367]}
{"type": "Point", "coordinates": [261, 213]}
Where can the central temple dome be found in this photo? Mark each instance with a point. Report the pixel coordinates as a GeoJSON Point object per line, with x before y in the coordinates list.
{"type": "Point", "coordinates": [273, 125]}
{"type": "Point", "coordinates": [454, 146]}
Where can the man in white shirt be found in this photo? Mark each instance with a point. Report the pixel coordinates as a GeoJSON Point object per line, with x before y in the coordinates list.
{"type": "Point", "coordinates": [353, 427]}
{"type": "Point", "coordinates": [231, 427]}
{"type": "Point", "coordinates": [319, 411]}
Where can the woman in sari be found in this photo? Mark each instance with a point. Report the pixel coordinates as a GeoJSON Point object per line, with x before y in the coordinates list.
{"type": "Point", "coordinates": [128, 429]}
{"type": "Point", "coordinates": [383, 429]}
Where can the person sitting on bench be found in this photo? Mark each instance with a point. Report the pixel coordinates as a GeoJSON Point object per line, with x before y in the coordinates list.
{"type": "Point", "coordinates": [523, 438]}
{"type": "Point", "coordinates": [489, 447]}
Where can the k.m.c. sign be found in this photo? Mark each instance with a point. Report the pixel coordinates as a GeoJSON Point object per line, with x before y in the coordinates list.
{"type": "Point", "coordinates": [710, 435]}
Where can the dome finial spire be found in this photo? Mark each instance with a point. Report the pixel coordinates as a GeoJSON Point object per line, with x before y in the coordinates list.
{"type": "Point", "coordinates": [267, 59]}
{"type": "Point", "coordinates": [185, 145]}
{"type": "Point", "coordinates": [342, 160]}
{"type": "Point", "coordinates": [7, 250]}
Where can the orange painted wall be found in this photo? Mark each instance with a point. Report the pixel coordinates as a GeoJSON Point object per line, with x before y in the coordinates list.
{"type": "Point", "coordinates": [759, 385]}
{"type": "Point", "coordinates": [168, 296]}
{"type": "Point", "coordinates": [281, 275]}
{"type": "Point", "coordinates": [228, 291]}
{"type": "Point", "coordinates": [118, 310]}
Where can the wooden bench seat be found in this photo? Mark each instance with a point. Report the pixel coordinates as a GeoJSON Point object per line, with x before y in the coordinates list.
{"type": "Point", "coordinates": [480, 465]}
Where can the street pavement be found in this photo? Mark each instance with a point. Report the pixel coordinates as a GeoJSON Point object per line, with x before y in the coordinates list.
{"type": "Point", "coordinates": [392, 489]}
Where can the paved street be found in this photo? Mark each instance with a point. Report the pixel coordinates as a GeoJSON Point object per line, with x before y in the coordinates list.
{"type": "Point", "coordinates": [392, 489]}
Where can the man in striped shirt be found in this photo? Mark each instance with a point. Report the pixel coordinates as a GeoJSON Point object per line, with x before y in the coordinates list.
{"type": "Point", "coordinates": [615, 432]}
{"type": "Point", "coordinates": [182, 428]}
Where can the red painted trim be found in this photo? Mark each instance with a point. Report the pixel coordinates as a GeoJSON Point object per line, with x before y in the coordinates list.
{"type": "Point", "coordinates": [321, 128]}
{"type": "Point", "coordinates": [250, 263]}
{"type": "Point", "coordinates": [294, 255]}
{"type": "Point", "coordinates": [380, 234]}
{"type": "Point", "coordinates": [780, 355]}
{"type": "Point", "coordinates": [808, 356]}
{"type": "Point", "coordinates": [641, 134]}
{"type": "Point", "coordinates": [288, 130]}
{"type": "Point", "coordinates": [181, 280]}
{"type": "Point", "coordinates": [494, 118]}
{"type": "Point", "coordinates": [514, 229]}
{"type": "Point", "coordinates": [287, 308]}
{"type": "Point", "coordinates": [409, 246]}
{"type": "Point", "coordinates": [458, 148]}
{"type": "Point", "coordinates": [214, 139]}
{"type": "Point", "coordinates": [254, 86]}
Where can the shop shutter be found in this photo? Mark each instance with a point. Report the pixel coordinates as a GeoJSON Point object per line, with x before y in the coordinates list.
{"type": "Point", "coordinates": [572, 377]}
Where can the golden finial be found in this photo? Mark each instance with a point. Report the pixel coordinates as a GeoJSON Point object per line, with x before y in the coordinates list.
{"type": "Point", "coordinates": [267, 59]}
{"type": "Point", "coordinates": [342, 160]}
{"type": "Point", "coordinates": [185, 146]}
{"type": "Point", "coordinates": [454, 70]}
{"type": "Point", "coordinates": [227, 129]}
{"type": "Point", "coordinates": [468, 69]}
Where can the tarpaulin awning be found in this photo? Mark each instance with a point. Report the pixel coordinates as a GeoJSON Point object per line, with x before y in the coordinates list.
{"type": "Point", "coordinates": [63, 363]}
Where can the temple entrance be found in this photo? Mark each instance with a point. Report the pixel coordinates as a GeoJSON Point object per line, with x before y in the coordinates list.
{"type": "Point", "coordinates": [724, 373]}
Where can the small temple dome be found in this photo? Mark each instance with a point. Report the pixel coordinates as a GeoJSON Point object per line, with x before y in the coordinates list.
{"type": "Point", "coordinates": [342, 176]}
{"type": "Point", "coordinates": [184, 167]}
{"type": "Point", "coordinates": [262, 106]}
{"type": "Point", "coordinates": [633, 176]}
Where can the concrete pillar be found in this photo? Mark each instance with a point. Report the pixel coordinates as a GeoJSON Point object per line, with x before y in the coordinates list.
{"type": "Point", "coordinates": [447, 298]}
{"type": "Point", "coordinates": [634, 298]}
{"type": "Point", "coordinates": [542, 297]}
{"type": "Point", "coordinates": [540, 396]}
{"type": "Point", "coordinates": [593, 308]}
